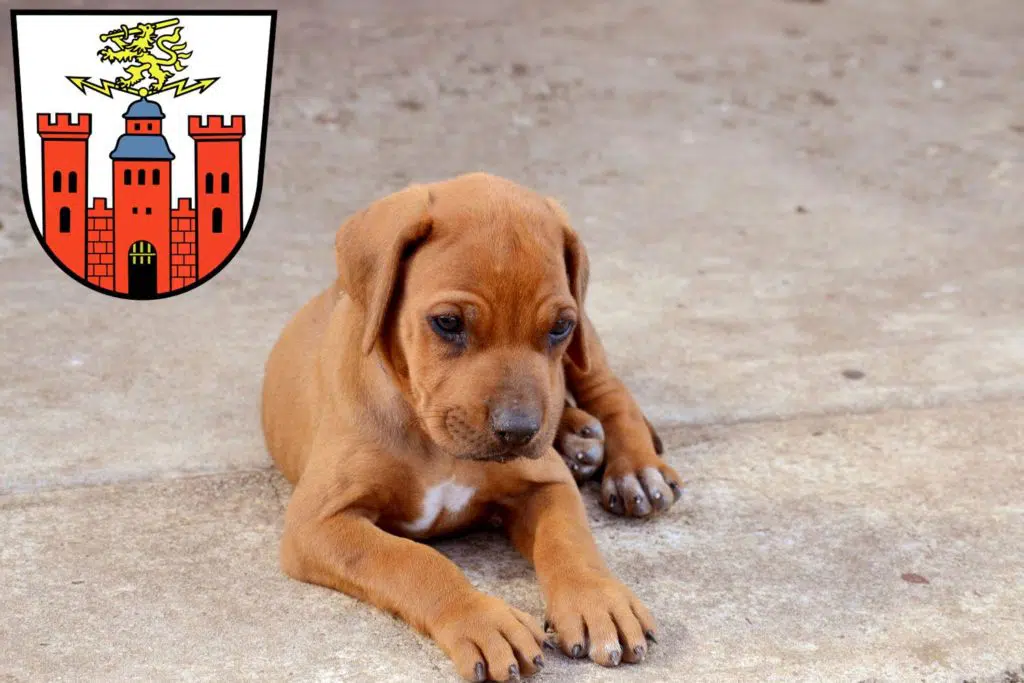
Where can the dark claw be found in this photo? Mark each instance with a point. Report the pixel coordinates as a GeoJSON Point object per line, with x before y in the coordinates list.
{"type": "Point", "coordinates": [641, 506]}
{"type": "Point", "coordinates": [650, 636]}
{"type": "Point", "coordinates": [549, 645]}
{"type": "Point", "coordinates": [479, 673]}
{"type": "Point", "coordinates": [538, 662]}
{"type": "Point", "coordinates": [659, 502]}
{"type": "Point", "coordinates": [577, 651]}
{"type": "Point", "coordinates": [616, 657]}
{"type": "Point", "coordinates": [616, 504]}
{"type": "Point", "coordinates": [513, 672]}
{"type": "Point", "coordinates": [639, 652]}
{"type": "Point", "coordinates": [677, 490]}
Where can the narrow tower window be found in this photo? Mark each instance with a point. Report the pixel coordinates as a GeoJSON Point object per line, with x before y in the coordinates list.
{"type": "Point", "coordinates": [156, 176]}
{"type": "Point", "coordinates": [127, 176]}
{"type": "Point", "coordinates": [57, 178]}
{"type": "Point", "coordinates": [65, 219]}
{"type": "Point", "coordinates": [225, 183]}
{"type": "Point", "coordinates": [218, 220]}
{"type": "Point", "coordinates": [73, 182]}
{"type": "Point", "coordinates": [142, 176]}
{"type": "Point", "coordinates": [209, 182]}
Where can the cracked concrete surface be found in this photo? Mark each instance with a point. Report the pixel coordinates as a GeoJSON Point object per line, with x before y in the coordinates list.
{"type": "Point", "coordinates": [808, 263]}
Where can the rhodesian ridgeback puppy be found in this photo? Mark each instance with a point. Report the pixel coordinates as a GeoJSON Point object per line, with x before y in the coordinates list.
{"type": "Point", "coordinates": [424, 392]}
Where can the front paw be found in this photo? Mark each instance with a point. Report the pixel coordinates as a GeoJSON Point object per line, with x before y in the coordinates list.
{"type": "Point", "coordinates": [598, 617]}
{"type": "Point", "coordinates": [488, 639]}
{"type": "Point", "coordinates": [580, 442]}
{"type": "Point", "coordinates": [638, 489]}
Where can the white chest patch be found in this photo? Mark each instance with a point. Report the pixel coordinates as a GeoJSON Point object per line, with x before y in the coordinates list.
{"type": "Point", "coordinates": [446, 497]}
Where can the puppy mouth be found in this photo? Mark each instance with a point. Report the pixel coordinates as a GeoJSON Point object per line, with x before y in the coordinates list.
{"type": "Point", "coordinates": [499, 456]}
{"type": "Point", "coordinates": [504, 455]}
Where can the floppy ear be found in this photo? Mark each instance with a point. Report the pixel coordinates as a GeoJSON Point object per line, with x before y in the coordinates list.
{"type": "Point", "coordinates": [369, 249]}
{"type": "Point", "coordinates": [577, 264]}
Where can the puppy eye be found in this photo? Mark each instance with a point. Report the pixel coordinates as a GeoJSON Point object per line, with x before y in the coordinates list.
{"type": "Point", "coordinates": [448, 327]}
{"type": "Point", "coordinates": [561, 329]}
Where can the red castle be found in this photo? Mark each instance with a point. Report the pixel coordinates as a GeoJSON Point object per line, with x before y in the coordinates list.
{"type": "Point", "coordinates": [140, 245]}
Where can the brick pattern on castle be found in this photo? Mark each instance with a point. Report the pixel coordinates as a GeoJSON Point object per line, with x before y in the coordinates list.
{"type": "Point", "coordinates": [100, 241]}
{"type": "Point", "coordinates": [183, 245]}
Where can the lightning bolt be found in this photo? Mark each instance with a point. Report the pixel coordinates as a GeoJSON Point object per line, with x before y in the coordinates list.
{"type": "Point", "coordinates": [182, 87]}
{"type": "Point", "coordinates": [104, 87]}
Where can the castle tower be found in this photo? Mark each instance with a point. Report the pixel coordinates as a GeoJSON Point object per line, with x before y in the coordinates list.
{"type": "Point", "coordinates": [65, 178]}
{"type": "Point", "coordinates": [218, 187]}
{"type": "Point", "coordinates": [142, 202]}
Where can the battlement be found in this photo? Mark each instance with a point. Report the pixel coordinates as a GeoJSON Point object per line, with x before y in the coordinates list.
{"type": "Point", "coordinates": [60, 126]}
{"type": "Point", "coordinates": [183, 209]}
{"type": "Point", "coordinates": [214, 127]}
{"type": "Point", "coordinates": [99, 208]}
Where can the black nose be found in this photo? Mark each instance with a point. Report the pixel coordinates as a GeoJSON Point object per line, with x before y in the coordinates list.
{"type": "Point", "coordinates": [514, 427]}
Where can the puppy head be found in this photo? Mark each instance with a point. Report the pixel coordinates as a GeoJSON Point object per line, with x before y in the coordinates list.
{"type": "Point", "coordinates": [472, 290]}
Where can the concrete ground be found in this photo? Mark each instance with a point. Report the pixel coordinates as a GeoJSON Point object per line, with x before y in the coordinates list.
{"type": "Point", "coordinates": [805, 222]}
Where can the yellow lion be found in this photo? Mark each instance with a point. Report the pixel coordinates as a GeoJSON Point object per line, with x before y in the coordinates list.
{"type": "Point", "coordinates": [140, 51]}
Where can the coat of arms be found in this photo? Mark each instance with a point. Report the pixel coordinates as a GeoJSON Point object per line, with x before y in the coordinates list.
{"type": "Point", "coordinates": [141, 180]}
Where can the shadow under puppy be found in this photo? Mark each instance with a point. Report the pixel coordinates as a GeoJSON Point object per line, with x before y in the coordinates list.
{"type": "Point", "coordinates": [422, 393]}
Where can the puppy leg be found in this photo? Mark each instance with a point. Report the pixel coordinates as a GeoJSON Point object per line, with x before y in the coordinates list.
{"type": "Point", "coordinates": [659, 447]}
{"type": "Point", "coordinates": [592, 612]}
{"type": "Point", "coordinates": [580, 442]}
{"type": "Point", "coordinates": [636, 481]}
{"type": "Point", "coordinates": [337, 545]}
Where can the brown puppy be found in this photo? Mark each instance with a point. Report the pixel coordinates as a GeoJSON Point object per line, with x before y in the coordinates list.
{"type": "Point", "coordinates": [422, 393]}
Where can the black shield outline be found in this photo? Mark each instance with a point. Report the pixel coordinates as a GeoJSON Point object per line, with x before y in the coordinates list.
{"type": "Point", "coordinates": [15, 13]}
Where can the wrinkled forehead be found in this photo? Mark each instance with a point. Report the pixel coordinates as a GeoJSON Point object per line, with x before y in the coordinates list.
{"type": "Point", "coordinates": [498, 249]}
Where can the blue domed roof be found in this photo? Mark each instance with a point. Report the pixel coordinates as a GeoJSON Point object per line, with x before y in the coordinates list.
{"type": "Point", "coordinates": [144, 109]}
{"type": "Point", "coordinates": [142, 147]}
